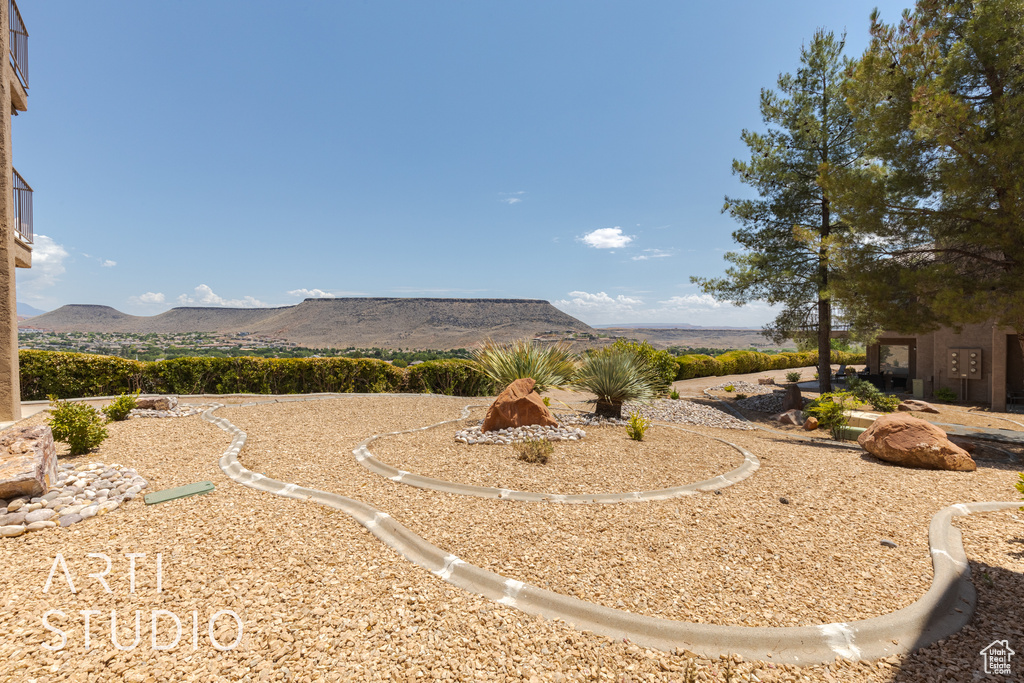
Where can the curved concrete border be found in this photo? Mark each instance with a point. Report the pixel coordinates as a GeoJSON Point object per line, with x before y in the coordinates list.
{"type": "Point", "coordinates": [365, 458]}
{"type": "Point", "coordinates": [942, 611]}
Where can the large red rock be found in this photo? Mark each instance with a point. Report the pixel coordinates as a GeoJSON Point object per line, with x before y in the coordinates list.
{"type": "Point", "coordinates": [518, 406]}
{"type": "Point", "coordinates": [910, 441]}
{"type": "Point", "coordinates": [792, 400]}
{"type": "Point", "coordinates": [157, 403]}
{"type": "Point", "coordinates": [28, 462]}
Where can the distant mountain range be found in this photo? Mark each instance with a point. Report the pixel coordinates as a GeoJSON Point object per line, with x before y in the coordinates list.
{"type": "Point", "coordinates": [26, 311]}
{"type": "Point", "coordinates": [362, 322]}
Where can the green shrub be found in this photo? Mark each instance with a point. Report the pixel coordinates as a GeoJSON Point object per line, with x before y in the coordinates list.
{"type": "Point", "coordinates": [793, 377]}
{"type": "Point", "coordinates": [399, 363]}
{"type": "Point", "coordinates": [729, 387]}
{"type": "Point", "coordinates": [831, 410]}
{"type": "Point", "coordinates": [740, 396]}
{"type": "Point", "coordinates": [454, 377]}
{"type": "Point", "coordinates": [534, 450]}
{"type": "Point", "coordinates": [662, 363]}
{"type": "Point", "coordinates": [945, 395]}
{"type": "Point", "coordinates": [79, 425]}
{"type": "Point", "coordinates": [674, 395]}
{"type": "Point", "coordinates": [636, 426]}
{"type": "Point", "coordinates": [616, 375]}
{"type": "Point", "coordinates": [1020, 484]}
{"type": "Point", "coordinates": [70, 375]}
{"type": "Point", "coordinates": [120, 407]}
{"type": "Point", "coordinates": [549, 366]}
{"type": "Point", "coordinates": [696, 365]}
{"type": "Point", "coordinates": [866, 392]}
{"type": "Point", "coordinates": [743, 362]}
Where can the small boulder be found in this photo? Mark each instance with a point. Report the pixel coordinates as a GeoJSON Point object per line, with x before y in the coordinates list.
{"type": "Point", "coordinates": [766, 380]}
{"type": "Point", "coordinates": [792, 399]}
{"type": "Point", "coordinates": [811, 423]}
{"type": "Point", "coordinates": [912, 442]}
{"type": "Point", "coordinates": [911, 405]}
{"type": "Point", "coordinates": [791, 417]}
{"type": "Point", "coordinates": [157, 403]}
{"type": "Point", "coordinates": [28, 463]}
{"type": "Point", "coordinates": [518, 406]}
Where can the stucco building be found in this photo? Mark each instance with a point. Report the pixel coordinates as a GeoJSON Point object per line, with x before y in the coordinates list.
{"type": "Point", "coordinates": [981, 363]}
{"type": "Point", "coordinates": [15, 208]}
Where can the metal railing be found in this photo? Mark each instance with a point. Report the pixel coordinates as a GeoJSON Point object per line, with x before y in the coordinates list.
{"type": "Point", "coordinates": [22, 208]}
{"type": "Point", "coordinates": [19, 43]}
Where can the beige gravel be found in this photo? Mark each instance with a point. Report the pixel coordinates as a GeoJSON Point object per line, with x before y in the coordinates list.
{"type": "Point", "coordinates": [321, 599]}
{"type": "Point", "coordinates": [605, 461]}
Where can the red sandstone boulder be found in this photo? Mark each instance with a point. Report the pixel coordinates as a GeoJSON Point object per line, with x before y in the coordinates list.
{"type": "Point", "coordinates": [916, 406]}
{"type": "Point", "coordinates": [912, 442]}
{"type": "Point", "coordinates": [791, 417]}
{"type": "Point", "coordinates": [811, 423]}
{"type": "Point", "coordinates": [518, 406]}
{"type": "Point", "coordinates": [28, 462]}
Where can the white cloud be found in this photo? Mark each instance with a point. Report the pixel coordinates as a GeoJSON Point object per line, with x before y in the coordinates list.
{"type": "Point", "coordinates": [108, 263]}
{"type": "Point", "coordinates": [311, 293]}
{"type": "Point", "coordinates": [606, 238]}
{"type": "Point", "coordinates": [652, 253]}
{"type": "Point", "coordinates": [511, 198]}
{"type": "Point", "coordinates": [205, 295]}
{"type": "Point", "coordinates": [47, 267]}
{"type": "Point", "coordinates": [599, 306]}
{"type": "Point", "coordinates": [692, 302]}
{"type": "Point", "coordinates": [150, 298]}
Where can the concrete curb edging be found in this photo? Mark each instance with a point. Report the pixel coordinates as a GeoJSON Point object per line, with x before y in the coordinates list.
{"type": "Point", "coordinates": [944, 609]}
{"type": "Point", "coordinates": [365, 458]}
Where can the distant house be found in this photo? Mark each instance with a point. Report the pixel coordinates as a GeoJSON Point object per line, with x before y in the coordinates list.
{"type": "Point", "coordinates": [16, 201]}
{"type": "Point", "coordinates": [981, 363]}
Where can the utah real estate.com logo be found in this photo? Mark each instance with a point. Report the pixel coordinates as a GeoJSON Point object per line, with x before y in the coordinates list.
{"type": "Point", "coordinates": [997, 657]}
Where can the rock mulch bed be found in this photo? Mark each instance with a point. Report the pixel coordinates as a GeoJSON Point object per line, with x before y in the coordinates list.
{"type": "Point", "coordinates": [473, 435]}
{"type": "Point", "coordinates": [747, 388]}
{"type": "Point", "coordinates": [606, 461]}
{"type": "Point", "coordinates": [685, 412]}
{"type": "Point", "coordinates": [321, 599]}
{"type": "Point", "coordinates": [80, 492]}
{"type": "Point", "coordinates": [180, 410]}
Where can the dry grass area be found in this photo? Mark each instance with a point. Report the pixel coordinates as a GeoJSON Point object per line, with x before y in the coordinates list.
{"type": "Point", "coordinates": [321, 599]}
{"type": "Point", "coordinates": [606, 461]}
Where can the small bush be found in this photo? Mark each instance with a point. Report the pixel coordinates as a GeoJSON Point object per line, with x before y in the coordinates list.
{"type": "Point", "coordinates": [399, 363]}
{"type": "Point", "coordinates": [674, 395]}
{"type": "Point", "coordinates": [866, 392]}
{"type": "Point", "coordinates": [548, 366]}
{"type": "Point", "coordinates": [452, 377]}
{"type": "Point", "coordinates": [831, 410]}
{"type": "Point", "coordinates": [945, 395]}
{"type": "Point", "coordinates": [1020, 484]}
{"type": "Point", "coordinates": [547, 401]}
{"type": "Point", "coordinates": [636, 426]}
{"type": "Point", "coordinates": [535, 451]}
{"type": "Point", "coordinates": [793, 377]}
{"type": "Point", "coordinates": [120, 407]}
{"type": "Point", "coordinates": [79, 425]}
{"type": "Point", "coordinates": [661, 362]}
{"type": "Point", "coordinates": [740, 396]}
{"type": "Point", "coordinates": [729, 387]}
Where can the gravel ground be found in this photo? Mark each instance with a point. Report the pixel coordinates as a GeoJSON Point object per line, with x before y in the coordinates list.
{"type": "Point", "coordinates": [321, 599]}
{"type": "Point", "coordinates": [605, 461]}
{"type": "Point", "coordinates": [686, 412]}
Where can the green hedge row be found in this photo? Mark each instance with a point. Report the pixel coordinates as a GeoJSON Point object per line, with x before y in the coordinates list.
{"type": "Point", "coordinates": [744, 362]}
{"type": "Point", "coordinates": [72, 375]}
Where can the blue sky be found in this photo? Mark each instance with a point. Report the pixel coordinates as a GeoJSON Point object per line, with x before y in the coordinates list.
{"type": "Point", "coordinates": [255, 153]}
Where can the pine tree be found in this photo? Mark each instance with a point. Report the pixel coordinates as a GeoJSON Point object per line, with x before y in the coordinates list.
{"type": "Point", "coordinates": [791, 233]}
{"type": "Point", "coordinates": [939, 207]}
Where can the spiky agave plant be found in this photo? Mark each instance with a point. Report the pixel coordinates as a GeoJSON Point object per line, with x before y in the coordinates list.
{"type": "Point", "coordinates": [616, 375]}
{"type": "Point", "coordinates": [549, 366]}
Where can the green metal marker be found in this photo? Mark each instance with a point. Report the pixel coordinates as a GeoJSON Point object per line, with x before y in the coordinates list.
{"type": "Point", "coordinates": [178, 492]}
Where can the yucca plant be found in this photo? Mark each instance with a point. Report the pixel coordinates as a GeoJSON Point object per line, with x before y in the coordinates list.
{"type": "Point", "coordinates": [616, 375]}
{"type": "Point", "coordinates": [549, 366]}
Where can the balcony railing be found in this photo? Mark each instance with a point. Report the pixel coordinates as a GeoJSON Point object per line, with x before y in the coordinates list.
{"type": "Point", "coordinates": [22, 209]}
{"type": "Point", "coordinates": [19, 43]}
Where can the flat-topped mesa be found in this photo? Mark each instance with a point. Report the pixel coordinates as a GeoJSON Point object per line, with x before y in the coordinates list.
{"type": "Point", "coordinates": [361, 322]}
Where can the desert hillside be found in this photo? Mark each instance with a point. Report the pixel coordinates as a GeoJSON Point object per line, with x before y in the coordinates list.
{"type": "Point", "coordinates": [407, 323]}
